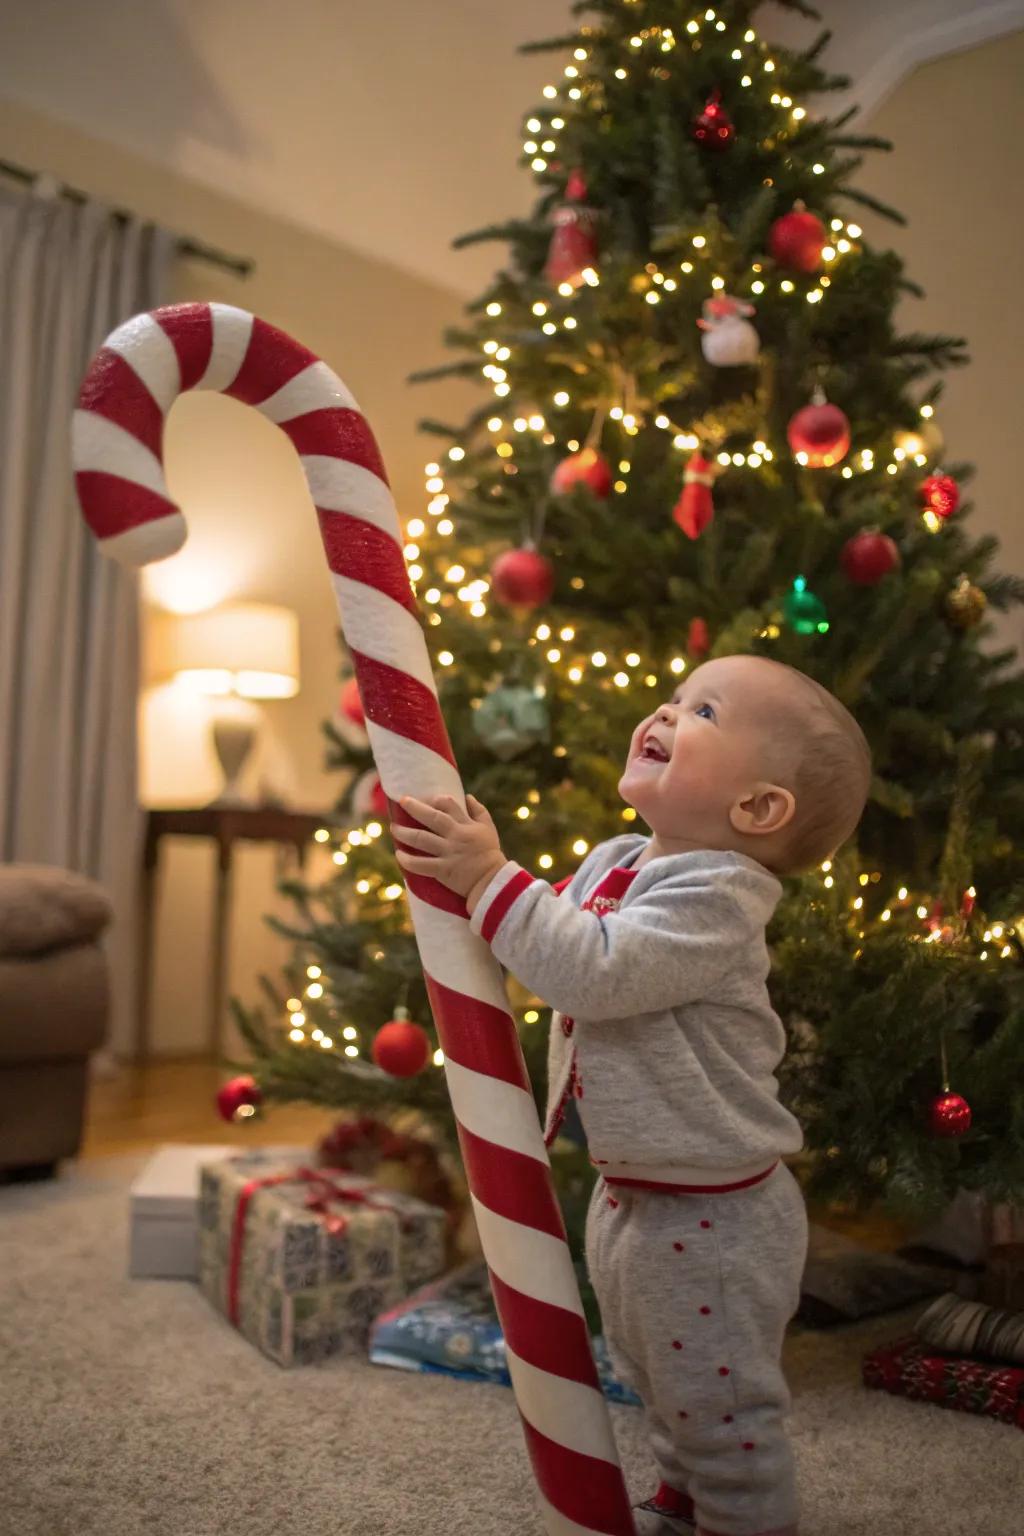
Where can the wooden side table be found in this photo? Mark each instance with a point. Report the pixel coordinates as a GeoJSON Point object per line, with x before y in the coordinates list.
{"type": "Point", "coordinates": [226, 826]}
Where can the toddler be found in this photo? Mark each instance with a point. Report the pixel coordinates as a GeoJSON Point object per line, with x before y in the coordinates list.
{"type": "Point", "coordinates": [655, 961]}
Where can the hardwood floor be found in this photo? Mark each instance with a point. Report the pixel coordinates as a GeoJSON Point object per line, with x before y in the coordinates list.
{"type": "Point", "coordinates": [141, 1107]}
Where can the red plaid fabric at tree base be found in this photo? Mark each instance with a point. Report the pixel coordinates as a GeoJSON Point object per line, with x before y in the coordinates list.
{"type": "Point", "coordinates": [908, 1368]}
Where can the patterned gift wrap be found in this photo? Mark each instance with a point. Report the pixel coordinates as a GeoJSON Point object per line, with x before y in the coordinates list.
{"type": "Point", "coordinates": [909, 1368]}
{"type": "Point", "coordinates": [451, 1329]}
{"type": "Point", "coordinates": [303, 1259]}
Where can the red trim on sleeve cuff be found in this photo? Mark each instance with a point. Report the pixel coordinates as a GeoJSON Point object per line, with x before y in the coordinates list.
{"type": "Point", "coordinates": [501, 903]}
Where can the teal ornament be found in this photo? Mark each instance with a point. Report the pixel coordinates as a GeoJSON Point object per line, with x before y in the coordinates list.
{"type": "Point", "coordinates": [511, 719]}
{"type": "Point", "coordinates": [804, 612]}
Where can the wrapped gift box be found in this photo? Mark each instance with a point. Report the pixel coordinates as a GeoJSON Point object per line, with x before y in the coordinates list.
{"type": "Point", "coordinates": [164, 1240]}
{"type": "Point", "coordinates": [451, 1328]}
{"type": "Point", "coordinates": [911, 1368]}
{"type": "Point", "coordinates": [302, 1259]}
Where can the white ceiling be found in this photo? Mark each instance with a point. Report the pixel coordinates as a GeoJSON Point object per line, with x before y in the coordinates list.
{"type": "Point", "coordinates": [390, 127]}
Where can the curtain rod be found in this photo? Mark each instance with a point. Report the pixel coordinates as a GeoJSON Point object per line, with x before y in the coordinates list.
{"type": "Point", "coordinates": [242, 266]}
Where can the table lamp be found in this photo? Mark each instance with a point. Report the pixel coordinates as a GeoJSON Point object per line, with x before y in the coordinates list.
{"type": "Point", "coordinates": [238, 651]}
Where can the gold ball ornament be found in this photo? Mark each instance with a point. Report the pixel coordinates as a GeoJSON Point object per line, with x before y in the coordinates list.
{"type": "Point", "coordinates": [965, 604]}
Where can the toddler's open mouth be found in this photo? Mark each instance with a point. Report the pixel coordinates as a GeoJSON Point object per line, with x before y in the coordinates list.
{"type": "Point", "coordinates": [652, 751]}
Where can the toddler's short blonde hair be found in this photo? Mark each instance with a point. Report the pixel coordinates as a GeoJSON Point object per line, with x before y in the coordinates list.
{"type": "Point", "coordinates": [825, 761]}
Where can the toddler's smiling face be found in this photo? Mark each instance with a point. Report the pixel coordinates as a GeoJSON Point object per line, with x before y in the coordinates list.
{"type": "Point", "coordinates": [692, 759]}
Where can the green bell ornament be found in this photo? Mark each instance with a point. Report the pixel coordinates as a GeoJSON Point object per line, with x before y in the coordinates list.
{"type": "Point", "coordinates": [804, 612]}
{"type": "Point", "coordinates": [511, 719]}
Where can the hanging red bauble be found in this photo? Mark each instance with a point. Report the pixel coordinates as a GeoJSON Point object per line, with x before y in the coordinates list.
{"type": "Point", "coordinates": [574, 243]}
{"type": "Point", "coordinates": [695, 508]}
{"type": "Point", "coordinates": [869, 556]}
{"type": "Point", "coordinates": [350, 703]}
{"type": "Point", "coordinates": [821, 431]}
{"type": "Point", "coordinates": [797, 239]}
{"type": "Point", "coordinates": [400, 1047]}
{"type": "Point", "coordinates": [239, 1098]}
{"type": "Point", "coordinates": [522, 578]}
{"type": "Point", "coordinates": [368, 797]}
{"type": "Point", "coordinates": [714, 128]}
{"type": "Point", "coordinates": [939, 494]}
{"type": "Point", "coordinates": [949, 1115]}
{"type": "Point", "coordinates": [698, 641]}
{"type": "Point", "coordinates": [589, 468]}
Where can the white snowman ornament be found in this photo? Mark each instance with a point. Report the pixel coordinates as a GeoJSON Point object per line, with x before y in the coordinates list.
{"type": "Point", "coordinates": [729, 339]}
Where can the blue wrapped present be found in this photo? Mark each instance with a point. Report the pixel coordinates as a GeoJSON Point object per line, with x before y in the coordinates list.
{"type": "Point", "coordinates": [451, 1328]}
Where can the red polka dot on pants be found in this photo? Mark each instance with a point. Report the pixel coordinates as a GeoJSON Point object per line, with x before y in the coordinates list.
{"type": "Point", "coordinates": [723, 1370]}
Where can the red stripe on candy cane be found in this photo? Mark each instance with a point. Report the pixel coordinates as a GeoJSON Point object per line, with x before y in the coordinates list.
{"type": "Point", "coordinates": [511, 1184]}
{"type": "Point", "coordinates": [366, 553]}
{"type": "Point", "coordinates": [271, 359]}
{"type": "Point", "coordinates": [474, 1034]}
{"type": "Point", "coordinates": [337, 433]}
{"type": "Point", "coordinates": [526, 1324]}
{"type": "Point", "coordinates": [114, 390]}
{"type": "Point", "coordinates": [121, 489]}
{"type": "Point", "coordinates": [190, 329]}
{"type": "Point", "coordinates": [112, 505]}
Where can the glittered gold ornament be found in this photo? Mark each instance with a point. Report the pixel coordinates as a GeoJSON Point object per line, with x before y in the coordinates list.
{"type": "Point", "coordinates": [965, 604]}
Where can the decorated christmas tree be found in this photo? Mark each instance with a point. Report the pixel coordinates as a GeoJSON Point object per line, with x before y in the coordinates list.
{"type": "Point", "coordinates": [701, 431]}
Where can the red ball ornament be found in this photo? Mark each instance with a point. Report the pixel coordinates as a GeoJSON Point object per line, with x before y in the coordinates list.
{"type": "Point", "coordinates": [869, 556]}
{"type": "Point", "coordinates": [797, 239]}
{"type": "Point", "coordinates": [714, 128]}
{"type": "Point", "coordinates": [949, 1115]}
{"type": "Point", "coordinates": [695, 508]}
{"type": "Point", "coordinates": [698, 641]}
{"type": "Point", "coordinates": [400, 1047]}
{"type": "Point", "coordinates": [239, 1099]}
{"type": "Point", "coordinates": [574, 243]}
{"type": "Point", "coordinates": [589, 468]}
{"type": "Point", "coordinates": [821, 432]}
{"type": "Point", "coordinates": [522, 578]}
{"type": "Point", "coordinates": [379, 800]}
{"type": "Point", "coordinates": [350, 703]}
{"type": "Point", "coordinates": [939, 494]}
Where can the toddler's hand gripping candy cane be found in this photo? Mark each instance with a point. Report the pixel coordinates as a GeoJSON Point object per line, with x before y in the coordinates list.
{"type": "Point", "coordinates": [118, 434]}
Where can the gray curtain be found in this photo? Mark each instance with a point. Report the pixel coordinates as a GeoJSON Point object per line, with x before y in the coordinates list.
{"type": "Point", "coordinates": [69, 273]}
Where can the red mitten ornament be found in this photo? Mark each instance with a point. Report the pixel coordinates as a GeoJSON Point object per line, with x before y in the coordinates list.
{"type": "Point", "coordinates": [821, 431]}
{"type": "Point", "coordinates": [400, 1047]}
{"type": "Point", "coordinates": [589, 468]}
{"type": "Point", "coordinates": [695, 507]}
{"type": "Point", "coordinates": [522, 578]}
{"type": "Point", "coordinates": [714, 128]}
{"type": "Point", "coordinates": [573, 244]}
{"type": "Point", "coordinates": [939, 494]}
{"type": "Point", "coordinates": [797, 239]}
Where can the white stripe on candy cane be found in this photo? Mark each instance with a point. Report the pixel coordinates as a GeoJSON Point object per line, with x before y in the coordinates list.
{"type": "Point", "coordinates": [149, 352]}
{"type": "Point", "coordinates": [316, 388]}
{"type": "Point", "coordinates": [529, 1261]}
{"type": "Point", "coordinates": [450, 958]}
{"type": "Point", "coordinates": [101, 445]}
{"type": "Point", "coordinates": [232, 332]}
{"type": "Point", "coordinates": [379, 627]}
{"type": "Point", "coordinates": [404, 774]}
{"type": "Point", "coordinates": [568, 1412]}
{"type": "Point", "coordinates": [338, 486]}
{"type": "Point", "coordinates": [494, 1111]}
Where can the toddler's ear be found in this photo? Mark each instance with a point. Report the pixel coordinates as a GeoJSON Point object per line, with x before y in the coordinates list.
{"type": "Point", "coordinates": [766, 809]}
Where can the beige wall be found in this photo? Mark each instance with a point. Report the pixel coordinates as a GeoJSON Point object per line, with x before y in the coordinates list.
{"type": "Point", "coordinates": [957, 125]}
{"type": "Point", "coordinates": [253, 531]}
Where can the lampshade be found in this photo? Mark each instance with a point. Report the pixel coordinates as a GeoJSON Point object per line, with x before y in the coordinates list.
{"type": "Point", "coordinates": [248, 649]}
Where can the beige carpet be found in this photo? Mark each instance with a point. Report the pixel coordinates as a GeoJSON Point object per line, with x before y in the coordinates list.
{"type": "Point", "coordinates": [128, 1408]}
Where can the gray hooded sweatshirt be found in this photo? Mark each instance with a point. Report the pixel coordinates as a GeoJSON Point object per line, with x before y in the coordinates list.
{"type": "Point", "coordinates": [663, 1028]}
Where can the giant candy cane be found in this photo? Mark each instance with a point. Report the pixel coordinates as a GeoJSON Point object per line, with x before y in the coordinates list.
{"type": "Point", "coordinates": [118, 435]}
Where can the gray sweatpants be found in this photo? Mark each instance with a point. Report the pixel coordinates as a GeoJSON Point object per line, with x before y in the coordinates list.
{"type": "Point", "coordinates": [695, 1293]}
